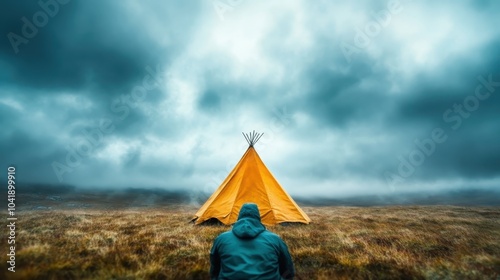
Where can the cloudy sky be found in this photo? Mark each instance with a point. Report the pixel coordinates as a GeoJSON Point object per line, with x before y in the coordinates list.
{"type": "Point", "coordinates": [360, 96]}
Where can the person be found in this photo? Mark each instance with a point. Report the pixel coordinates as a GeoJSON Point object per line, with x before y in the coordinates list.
{"type": "Point", "coordinates": [250, 251]}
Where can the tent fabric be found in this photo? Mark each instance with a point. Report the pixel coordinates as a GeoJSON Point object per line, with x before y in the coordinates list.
{"type": "Point", "coordinates": [251, 181]}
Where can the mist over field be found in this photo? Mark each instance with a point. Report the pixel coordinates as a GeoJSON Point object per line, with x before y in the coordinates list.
{"type": "Point", "coordinates": [54, 198]}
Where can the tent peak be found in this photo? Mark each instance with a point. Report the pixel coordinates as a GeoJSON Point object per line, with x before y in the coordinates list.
{"type": "Point", "coordinates": [252, 137]}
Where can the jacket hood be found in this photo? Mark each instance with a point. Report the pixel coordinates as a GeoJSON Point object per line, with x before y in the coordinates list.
{"type": "Point", "coordinates": [248, 225]}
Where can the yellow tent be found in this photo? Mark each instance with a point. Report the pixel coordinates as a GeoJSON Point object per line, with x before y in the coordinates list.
{"type": "Point", "coordinates": [251, 181]}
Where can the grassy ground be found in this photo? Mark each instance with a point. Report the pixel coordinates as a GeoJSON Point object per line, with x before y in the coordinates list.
{"type": "Point", "coordinates": [431, 242]}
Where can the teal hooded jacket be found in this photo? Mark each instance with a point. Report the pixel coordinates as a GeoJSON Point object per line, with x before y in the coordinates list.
{"type": "Point", "coordinates": [249, 251]}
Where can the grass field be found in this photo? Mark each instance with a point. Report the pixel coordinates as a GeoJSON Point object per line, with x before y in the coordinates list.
{"type": "Point", "coordinates": [419, 242]}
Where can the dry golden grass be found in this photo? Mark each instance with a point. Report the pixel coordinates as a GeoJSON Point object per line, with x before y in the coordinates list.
{"type": "Point", "coordinates": [432, 242]}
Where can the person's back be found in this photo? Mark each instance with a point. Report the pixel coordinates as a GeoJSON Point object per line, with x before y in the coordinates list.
{"type": "Point", "coordinates": [249, 251]}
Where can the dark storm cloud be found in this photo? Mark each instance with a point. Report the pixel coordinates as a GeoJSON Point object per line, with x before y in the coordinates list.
{"type": "Point", "coordinates": [99, 53]}
{"type": "Point", "coordinates": [450, 101]}
{"type": "Point", "coordinates": [101, 50]}
{"type": "Point", "coordinates": [360, 96]}
{"type": "Point", "coordinates": [69, 53]}
{"type": "Point", "coordinates": [94, 55]}
{"type": "Point", "coordinates": [335, 122]}
{"type": "Point", "coordinates": [338, 99]}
